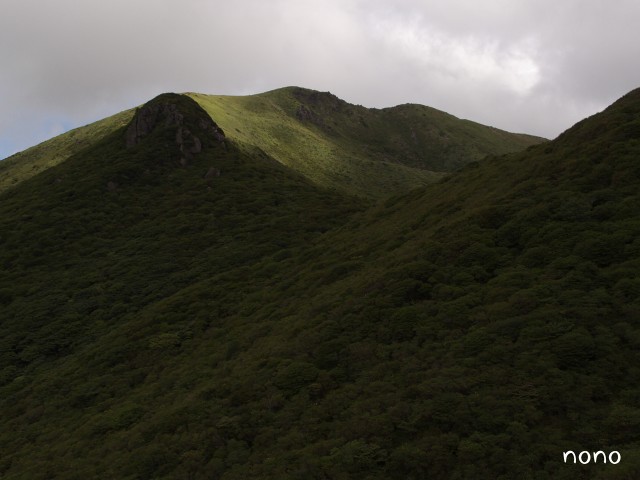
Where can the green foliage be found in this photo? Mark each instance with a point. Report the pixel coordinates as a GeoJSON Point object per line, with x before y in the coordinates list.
{"type": "Point", "coordinates": [369, 152]}
{"type": "Point", "coordinates": [30, 162]}
{"type": "Point", "coordinates": [255, 325]}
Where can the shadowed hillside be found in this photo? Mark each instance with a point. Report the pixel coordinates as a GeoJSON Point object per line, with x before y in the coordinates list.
{"type": "Point", "coordinates": [184, 307]}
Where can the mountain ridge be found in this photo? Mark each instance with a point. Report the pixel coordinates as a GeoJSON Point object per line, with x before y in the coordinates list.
{"type": "Point", "coordinates": [256, 325]}
{"type": "Point", "coordinates": [338, 144]}
{"type": "Point", "coordinates": [330, 154]}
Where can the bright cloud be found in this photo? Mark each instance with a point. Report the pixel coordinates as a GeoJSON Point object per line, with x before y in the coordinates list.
{"type": "Point", "coordinates": [464, 59]}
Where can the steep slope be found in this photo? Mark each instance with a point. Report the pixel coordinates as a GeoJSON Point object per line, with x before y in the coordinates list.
{"type": "Point", "coordinates": [265, 328]}
{"type": "Point", "coordinates": [25, 164]}
{"type": "Point", "coordinates": [369, 151]}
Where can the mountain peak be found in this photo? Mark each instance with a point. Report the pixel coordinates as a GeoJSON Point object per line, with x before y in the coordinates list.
{"type": "Point", "coordinates": [306, 95]}
{"type": "Point", "coordinates": [179, 112]}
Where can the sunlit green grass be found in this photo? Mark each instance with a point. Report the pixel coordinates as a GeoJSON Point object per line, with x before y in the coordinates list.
{"type": "Point", "coordinates": [370, 152]}
{"type": "Point", "coordinates": [30, 162]}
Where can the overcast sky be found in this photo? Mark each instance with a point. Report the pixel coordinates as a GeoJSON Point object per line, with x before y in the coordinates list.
{"type": "Point", "coordinates": [534, 66]}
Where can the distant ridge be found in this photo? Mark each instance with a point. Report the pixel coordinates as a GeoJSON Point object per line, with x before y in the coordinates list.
{"type": "Point", "coordinates": [370, 152]}
{"type": "Point", "coordinates": [367, 152]}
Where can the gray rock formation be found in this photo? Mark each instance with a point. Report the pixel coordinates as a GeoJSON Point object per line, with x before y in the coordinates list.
{"type": "Point", "coordinates": [305, 114]}
{"type": "Point", "coordinates": [212, 173]}
{"type": "Point", "coordinates": [170, 111]}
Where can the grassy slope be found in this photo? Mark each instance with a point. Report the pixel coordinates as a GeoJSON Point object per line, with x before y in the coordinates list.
{"type": "Point", "coordinates": [30, 162]}
{"type": "Point", "coordinates": [267, 122]}
{"type": "Point", "coordinates": [373, 153]}
{"type": "Point", "coordinates": [368, 151]}
{"type": "Point", "coordinates": [473, 329]}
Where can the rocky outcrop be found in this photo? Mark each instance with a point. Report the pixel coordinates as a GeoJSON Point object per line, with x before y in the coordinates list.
{"type": "Point", "coordinates": [305, 114]}
{"type": "Point", "coordinates": [175, 129]}
{"type": "Point", "coordinates": [179, 112]}
{"type": "Point", "coordinates": [212, 173]}
{"type": "Point", "coordinates": [149, 117]}
{"type": "Point", "coordinates": [319, 100]}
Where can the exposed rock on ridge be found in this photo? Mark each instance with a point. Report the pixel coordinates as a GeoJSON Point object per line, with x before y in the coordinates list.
{"type": "Point", "coordinates": [175, 111]}
{"type": "Point", "coordinates": [304, 113]}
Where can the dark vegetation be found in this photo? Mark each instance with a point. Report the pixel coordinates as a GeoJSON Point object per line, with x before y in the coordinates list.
{"type": "Point", "coordinates": [159, 324]}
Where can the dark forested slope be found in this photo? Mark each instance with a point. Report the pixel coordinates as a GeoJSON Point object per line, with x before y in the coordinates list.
{"type": "Point", "coordinates": [171, 310]}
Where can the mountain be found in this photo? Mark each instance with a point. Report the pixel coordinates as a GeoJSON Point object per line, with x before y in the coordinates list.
{"type": "Point", "coordinates": [178, 304]}
{"type": "Point", "coordinates": [368, 152]}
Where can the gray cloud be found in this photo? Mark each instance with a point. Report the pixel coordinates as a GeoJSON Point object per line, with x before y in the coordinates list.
{"type": "Point", "coordinates": [535, 66]}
